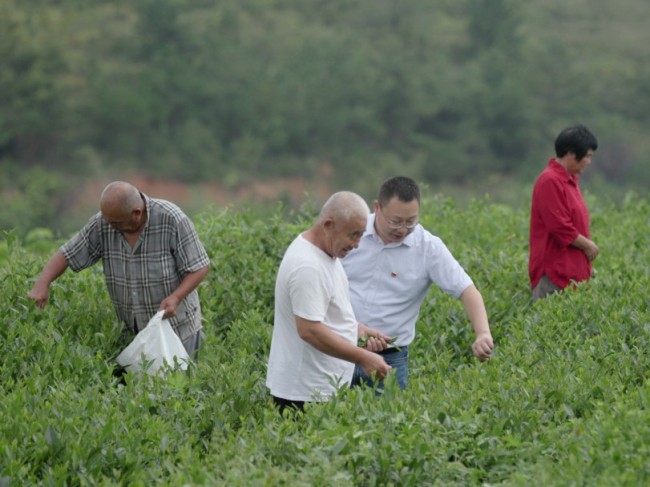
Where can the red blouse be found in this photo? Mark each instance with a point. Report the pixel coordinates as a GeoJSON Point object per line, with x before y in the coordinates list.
{"type": "Point", "coordinates": [558, 215]}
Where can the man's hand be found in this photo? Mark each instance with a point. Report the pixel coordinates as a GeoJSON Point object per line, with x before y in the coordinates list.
{"type": "Point", "coordinates": [483, 347]}
{"type": "Point", "coordinates": [53, 269]}
{"type": "Point", "coordinates": [169, 305]}
{"type": "Point", "coordinates": [372, 339]}
{"type": "Point", "coordinates": [40, 294]}
{"type": "Point", "coordinates": [375, 366]}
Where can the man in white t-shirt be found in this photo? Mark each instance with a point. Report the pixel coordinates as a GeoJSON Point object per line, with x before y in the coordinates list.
{"type": "Point", "coordinates": [314, 343]}
{"type": "Point", "coordinates": [392, 270]}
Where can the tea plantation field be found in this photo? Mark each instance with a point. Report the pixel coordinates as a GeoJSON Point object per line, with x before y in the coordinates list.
{"type": "Point", "coordinates": [565, 400]}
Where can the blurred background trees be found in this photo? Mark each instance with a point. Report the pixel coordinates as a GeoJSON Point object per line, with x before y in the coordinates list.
{"type": "Point", "coordinates": [452, 92]}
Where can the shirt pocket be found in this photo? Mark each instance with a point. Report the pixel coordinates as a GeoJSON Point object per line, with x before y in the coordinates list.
{"type": "Point", "coordinates": [159, 276]}
{"type": "Point", "coordinates": [399, 276]}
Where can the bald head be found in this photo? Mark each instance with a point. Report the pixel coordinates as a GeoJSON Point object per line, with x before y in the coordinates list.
{"type": "Point", "coordinates": [344, 206]}
{"type": "Point", "coordinates": [121, 198]}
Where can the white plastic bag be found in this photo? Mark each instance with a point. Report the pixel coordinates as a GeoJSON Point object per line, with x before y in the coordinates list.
{"type": "Point", "coordinates": [156, 343]}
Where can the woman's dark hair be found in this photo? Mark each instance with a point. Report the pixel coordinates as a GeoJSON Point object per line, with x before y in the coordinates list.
{"type": "Point", "coordinates": [577, 139]}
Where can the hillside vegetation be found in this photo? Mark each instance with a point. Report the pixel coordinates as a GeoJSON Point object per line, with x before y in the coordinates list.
{"type": "Point", "coordinates": [565, 400]}
{"type": "Point", "coordinates": [446, 91]}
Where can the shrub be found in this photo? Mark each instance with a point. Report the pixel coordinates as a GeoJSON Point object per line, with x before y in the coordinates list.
{"type": "Point", "coordinates": [564, 400]}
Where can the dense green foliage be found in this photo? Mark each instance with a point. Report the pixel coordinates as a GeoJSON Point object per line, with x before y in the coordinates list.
{"type": "Point", "coordinates": [565, 401]}
{"type": "Point", "coordinates": [443, 90]}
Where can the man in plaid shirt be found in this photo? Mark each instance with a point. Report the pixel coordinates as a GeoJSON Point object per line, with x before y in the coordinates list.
{"type": "Point", "coordinates": [152, 259]}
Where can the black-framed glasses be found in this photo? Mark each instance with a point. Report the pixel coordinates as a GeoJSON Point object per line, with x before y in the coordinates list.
{"type": "Point", "coordinates": [410, 225]}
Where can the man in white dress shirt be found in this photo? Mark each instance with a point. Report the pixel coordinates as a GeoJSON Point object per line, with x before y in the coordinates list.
{"type": "Point", "coordinates": [314, 343]}
{"type": "Point", "coordinates": [392, 269]}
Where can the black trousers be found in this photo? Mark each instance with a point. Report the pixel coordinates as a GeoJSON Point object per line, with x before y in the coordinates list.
{"type": "Point", "coordinates": [283, 404]}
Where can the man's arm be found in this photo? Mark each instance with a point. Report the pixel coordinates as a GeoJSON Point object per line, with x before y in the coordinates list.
{"type": "Point", "coordinates": [187, 285]}
{"type": "Point", "coordinates": [40, 292]}
{"type": "Point", "coordinates": [325, 340]}
{"type": "Point", "coordinates": [475, 309]}
{"type": "Point", "coordinates": [587, 246]}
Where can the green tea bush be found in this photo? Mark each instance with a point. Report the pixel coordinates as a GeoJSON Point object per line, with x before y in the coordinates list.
{"type": "Point", "coordinates": [245, 254]}
{"type": "Point", "coordinates": [564, 401]}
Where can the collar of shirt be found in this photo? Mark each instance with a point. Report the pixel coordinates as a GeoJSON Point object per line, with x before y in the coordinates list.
{"type": "Point", "coordinates": [147, 204]}
{"type": "Point", "coordinates": [559, 169]}
{"type": "Point", "coordinates": [372, 234]}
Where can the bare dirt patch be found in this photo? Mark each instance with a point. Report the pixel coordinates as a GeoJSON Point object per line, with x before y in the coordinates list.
{"type": "Point", "coordinates": [191, 197]}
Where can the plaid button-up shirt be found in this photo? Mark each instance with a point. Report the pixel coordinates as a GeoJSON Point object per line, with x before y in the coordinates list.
{"type": "Point", "coordinates": [138, 278]}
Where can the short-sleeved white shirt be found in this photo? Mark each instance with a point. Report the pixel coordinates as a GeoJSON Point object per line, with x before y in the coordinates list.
{"type": "Point", "coordinates": [388, 282]}
{"type": "Point", "coordinates": [312, 285]}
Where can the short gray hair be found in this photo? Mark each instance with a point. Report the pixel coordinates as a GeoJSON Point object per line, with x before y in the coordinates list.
{"type": "Point", "coordinates": [344, 206]}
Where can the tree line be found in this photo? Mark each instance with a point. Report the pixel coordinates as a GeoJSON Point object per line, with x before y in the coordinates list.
{"type": "Point", "coordinates": [233, 91]}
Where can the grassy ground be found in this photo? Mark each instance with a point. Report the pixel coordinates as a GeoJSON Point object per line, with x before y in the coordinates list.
{"type": "Point", "coordinates": [563, 402]}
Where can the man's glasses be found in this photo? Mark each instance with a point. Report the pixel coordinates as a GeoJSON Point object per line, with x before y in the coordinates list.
{"type": "Point", "coordinates": [410, 225]}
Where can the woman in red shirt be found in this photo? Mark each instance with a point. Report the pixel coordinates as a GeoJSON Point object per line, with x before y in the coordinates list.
{"type": "Point", "coordinates": [561, 251]}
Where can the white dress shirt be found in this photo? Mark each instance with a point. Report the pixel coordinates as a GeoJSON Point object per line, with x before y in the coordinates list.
{"type": "Point", "coordinates": [388, 282]}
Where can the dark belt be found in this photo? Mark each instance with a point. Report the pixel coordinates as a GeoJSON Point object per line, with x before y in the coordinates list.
{"type": "Point", "coordinates": [391, 350]}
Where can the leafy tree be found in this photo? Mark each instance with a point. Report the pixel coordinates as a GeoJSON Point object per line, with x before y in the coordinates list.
{"type": "Point", "coordinates": [32, 198]}
{"type": "Point", "coordinates": [447, 91]}
{"type": "Point", "coordinates": [31, 96]}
